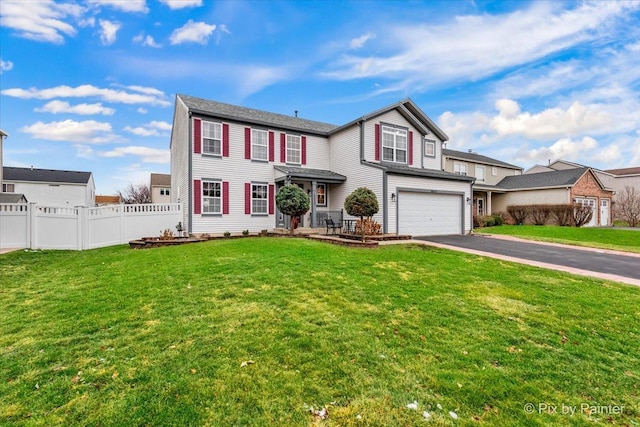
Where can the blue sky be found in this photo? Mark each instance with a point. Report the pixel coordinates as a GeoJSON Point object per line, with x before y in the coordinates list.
{"type": "Point", "coordinates": [90, 85]}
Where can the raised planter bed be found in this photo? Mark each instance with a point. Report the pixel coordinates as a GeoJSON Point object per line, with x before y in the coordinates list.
{"type": "Point", "coordinates": [154, 242]}
{"type": "Point", "coordinates": [376, 238]}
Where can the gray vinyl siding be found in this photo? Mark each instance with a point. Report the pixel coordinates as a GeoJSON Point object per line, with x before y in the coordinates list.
{"type": "Point", "coordinates": [500, 202]}
{"type": "Point", "coordinates": [489, 178]}
{"type": "Point", "coordinates": [181, 149]}
{"type": "Point", "coordinates": [394, 182]}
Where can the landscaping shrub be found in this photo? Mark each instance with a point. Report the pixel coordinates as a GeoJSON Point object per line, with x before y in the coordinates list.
{"type": "Point", "coordinates": [363, 203]}
{"type": "Point", "coordinates": [292, 201]}
{"type": "Point", "coordinates": [539, 214]}
{"type": "Point", "coordinates": [519, 213]}
{"type": "Point", "coordinates": [371, 227]}
{"type": "Point", "coordinates": [581, 214]}
{"type": "Point", "coordinates": [562, 214]}
{"type": "Point", "coordinates": [498, 219]}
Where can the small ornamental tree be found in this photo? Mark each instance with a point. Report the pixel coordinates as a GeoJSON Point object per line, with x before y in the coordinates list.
{"type": "Point", "coordinates": [135, 194]}
{"type": "Point", "coordinates": [363, 203]}
{"type": "Point", "coordinates": [627, 206]}
{"type": "Point", "coordinates": [292, 201]}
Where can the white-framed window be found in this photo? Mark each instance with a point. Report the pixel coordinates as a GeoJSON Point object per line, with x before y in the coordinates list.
{"type": "Point", "coordinates": [394, 144]}
{"type": "Point", "coordinates": [321, 195]}
{"type": "Point", "coordinates": [211, 197]}
{"type": "Point", "coordinates": [294, 149]}
{"type": "Point", "coordinates": [517, 172]}
{"type": "Point", "coordinates": [259, 144]}
{"type": "Point", "coordinates": [259, 199]}
{"type": "Point", "coordinates": [480, 173]}
{"type": "Point", "coordinates": [429, 148]}
{"type": "Point", "coordinates": [494, 171]}
{"type": "Point", "coordinates": [8, 188]}
{"type": "Point", "coordinates": [164, 191]}
{"type": "Point", "coordinates": [212, 138]}
{"type": "Point", "coordinates": [459, 168]}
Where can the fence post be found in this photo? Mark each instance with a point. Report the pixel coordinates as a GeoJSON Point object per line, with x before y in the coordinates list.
{"type": "Point", "coordinates": [80, 227]}
{"type": "Point", "coordinates": [31, 221]}
{"type": "Point", "coordinates": [122, 231]}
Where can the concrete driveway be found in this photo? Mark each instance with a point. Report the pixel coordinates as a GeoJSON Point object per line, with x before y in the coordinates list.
{"type": "Point", "coordinates": [603, 264]}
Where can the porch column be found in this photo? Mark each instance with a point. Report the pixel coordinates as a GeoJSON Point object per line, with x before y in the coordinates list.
{"type": "Point", "coordinates": [489, 209]}
{"type": "Point", "coordinates": [314, 200]}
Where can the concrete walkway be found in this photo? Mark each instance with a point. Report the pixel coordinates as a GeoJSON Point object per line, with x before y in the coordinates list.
{"type": "Point", "coordinates": [598, 263]}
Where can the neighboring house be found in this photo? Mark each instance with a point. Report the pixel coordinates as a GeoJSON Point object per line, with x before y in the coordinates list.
{"type": "Point", "coordinates": [487, 172]}
{"type": "Point", "coordinates": [51, 187]}
{"type": "Point", "coordinates": [160, 187]}
{"type": "Point", "coordinates": [577, 185]}
{"type": "Point", "coordinates": [12, 198]}
{"type": "Point", "coordinates": [227, 163]}
{"type": "Point", "coordinates": [107, 200]}
{"type": "Point", "coordinates": [3, 135]}
{"type": "Point", "coordinates": [618, 179]}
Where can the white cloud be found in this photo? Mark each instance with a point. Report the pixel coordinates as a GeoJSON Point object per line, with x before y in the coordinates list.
{"type": "Point", "coordinates": [147, 154]}
{"type": "Point", "coordinates": [192, 32]}
{"type": "Point", "coordinates": [181, 4]}
{"type": "Point", "coordinates": [83, 91]}
{"type": "Point", "coordinates": [108, 32]}
{"type": "Point", "coordinates": [154, 128]}
{"type": "Point", "coordinates": [43, 20]}
{"type": "Point", "coordinates": [5, 66]}
{"type": "Point", "coordinates": [142, 110]}
{"type": "Point", "coordinates": [564, 148]}
{"type": "Point", "coordinates": [472, 47]}
{"type": "Point", "coordinates": [85, 132]}
{"type": "Point", "coordinates": [146, 40]}
{"type": "Point", "coordinates": [549, 123]}
{"type": "Point", "coordinates": [146, 90]}
{"type": "Point", "coordinates": [358, 42]}
{"type": "Point", "coordinates": [84, 151]}
{"type": "Point", "coordinates": [56, 107]}
{"type": "Point", "coordinates": [124, 5]}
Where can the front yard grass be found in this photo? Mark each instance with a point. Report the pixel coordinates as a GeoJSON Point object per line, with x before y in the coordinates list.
{"type": "Point", "coordinates": [604, 238]}
{"type": "Point", "coordinates": [257, 331]}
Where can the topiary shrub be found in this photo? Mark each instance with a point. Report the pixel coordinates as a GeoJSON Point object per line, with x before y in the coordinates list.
{"type": "Point", "coordinates": [292, 201]}
{"type": "Point", "coordinates": [362, 203]}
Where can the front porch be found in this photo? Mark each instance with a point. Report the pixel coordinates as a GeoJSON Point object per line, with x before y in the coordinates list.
{"type": "Point", "coordinates": [482, 203]}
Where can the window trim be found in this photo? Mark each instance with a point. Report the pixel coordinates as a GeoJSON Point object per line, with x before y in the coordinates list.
{"type": "Point", "coordinates": [396, 129]}
{"type": "Point", "coordinates": [203, 197]}
{"type": "Point", "coordinates": [484, 174]}
{"type": "Point", "coordinates": [202, 137]}
{"type": "Point", "coordinates": [326, 200]}
{"type": "Point", "coordinates": [6, 186]}
{"type": "Point", "coordinates": [432, 143]}
{"type": "Point", "coordinates": [287, 159]}
{"type": "Point", "coordinates": [494, 171]}
{"type": "Point", "coordinates": [265, 198]}
{"type": "Point", "coordinates": [466, 170]}
{"type": "Point", "coordinates": [266, 145]}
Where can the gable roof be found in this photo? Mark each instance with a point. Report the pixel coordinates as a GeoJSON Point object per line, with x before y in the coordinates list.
{"type": "Point", "coordinates": [427, 173]}
{"type": "Point", "coordinates": [477, 158]}
{"type": "Point", "coordinates": [306, 173]}
{"type": "Point", "coordinates": [624, 171]}
{"type": "Point", "coordinates": [45, 175]}
{"type": "Point", "coordinates": [161, 179]}
{"type": "Point", "coordinates": [552, 179]}
{"type": "Point", "coordinates": [250, 115]}
{"type": "Point", "coordinates": [12, 198]}
{"type": "Point", "coordinates": [410, 111]}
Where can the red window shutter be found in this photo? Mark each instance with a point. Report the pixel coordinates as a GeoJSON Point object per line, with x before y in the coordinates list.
{"type": "Point", "coordinates": [377, 141]}
{"type": "Point", "coordinates": [247, 198]}
{"type": "Point", "coordinates": [410, 148]}
{"type": "Point", "coordinates": [197, 197]}
{"type": "Point", "coordinates": [225, 197]}
{"type": "Point", "coordinates": [283, 148]}
{"type": "Point", "coordinates": [197, 136]}
{"type": "Point", "coordinates": [271, 198]}
{"type": "Point", "coordinates": [304, 150]}
{"type": "Point", "coordinates": [225, 140]}
{"type": "Point", "coordinates": [247, 143]}
{"type": "Point", "coordinates": [272, 144]}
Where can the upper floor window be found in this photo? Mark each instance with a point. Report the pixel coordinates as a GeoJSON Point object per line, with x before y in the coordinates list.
{"type": "Point", "coordinates": [164, 191]}
{"type": "Point", "coordinates": [212, 197]}
{"type": "Point", "coordinates": [321, 199]}
{"type": "Point", "coordinates": [394, 144]}
{"type": "Point", "coordinates": [494, 171]}
{"type": "Point", "coordinates": [212, 138]}
{"type": "Point", "coordinates": [8, 188]}
{"type": "Point", "coordinates": [459, 168]}
{"type": "Point", "coordinates": [294, 149]}
{"type": "Point", "coordinates": [429, 148]}
{"type": "Point", "coordinates": [480, 173]}
{"type": "Point", "coordinates": [259, 198]}
{"type": "Point", "coordinates": [259, 144]}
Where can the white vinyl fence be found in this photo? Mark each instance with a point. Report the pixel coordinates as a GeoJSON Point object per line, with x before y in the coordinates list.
{"type": "Point", "coordinates": [27, 225]}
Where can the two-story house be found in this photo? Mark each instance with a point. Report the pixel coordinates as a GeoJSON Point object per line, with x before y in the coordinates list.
{"type": "Point", "coordinates": [160, 188]}
{"type": "Point", "coordinates": [487, 172]}
{"type": "Point", "coordinates": [228, 162]}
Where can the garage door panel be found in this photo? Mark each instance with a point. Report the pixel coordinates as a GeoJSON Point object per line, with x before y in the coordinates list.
{"type": "Point", "coordinates": [429, 214]}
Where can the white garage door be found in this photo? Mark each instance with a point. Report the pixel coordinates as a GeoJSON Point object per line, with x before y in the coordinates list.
{"type": "Point", "coordinates": [429, 214]}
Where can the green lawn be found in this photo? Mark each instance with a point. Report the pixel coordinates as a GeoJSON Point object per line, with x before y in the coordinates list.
{"type": "Point", "coordinates": [256, 331]}
{"type": "Point", "coordinates": [605, 238]}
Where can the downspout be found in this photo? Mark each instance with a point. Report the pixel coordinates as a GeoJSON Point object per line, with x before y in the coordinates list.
{"type": "Point", "coordinates": [190, 180]}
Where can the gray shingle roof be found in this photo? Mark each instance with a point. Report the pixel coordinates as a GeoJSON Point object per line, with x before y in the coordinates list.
{"type": "Point", "coordinates": [559, 178]}
{"type": "Point", "coordinates": [12, 198]}
{"type": "Point", "coordinates": [305, 173]}
{"type": "Point", "coordinates": [250, 115]}
{"type": "Point", "coordinates": [477, 158]}
{"type": "Point", "coordinates": [624, 171]}
{"type": "Point", "coordinates": [45, 175]}
{"type": "Point", "coordinates": [427, 173]}
{"type": "Point", "coordinates": [161, 179]}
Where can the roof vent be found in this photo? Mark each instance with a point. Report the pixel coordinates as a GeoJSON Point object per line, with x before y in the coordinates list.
{"type": "Point", "coordinates": [470, 151]}
{"type": "Point", "coordinates": [296, 113]}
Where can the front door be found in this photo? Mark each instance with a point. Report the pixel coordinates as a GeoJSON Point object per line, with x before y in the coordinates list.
{"type": "Point", "coordinates": [604, 212]}
{"type": "Point", "coordinates": [480, 207]}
